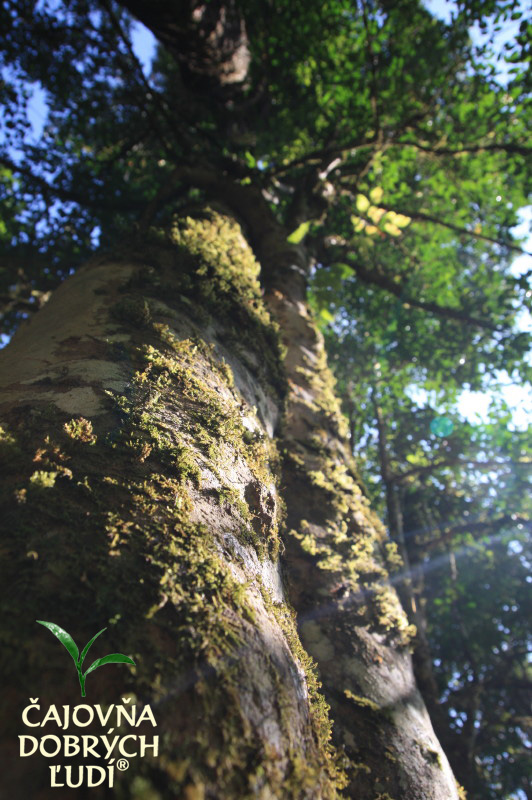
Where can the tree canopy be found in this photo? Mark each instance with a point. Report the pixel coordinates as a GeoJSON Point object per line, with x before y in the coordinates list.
{"type": "Point", "coordinates": [387, 144]}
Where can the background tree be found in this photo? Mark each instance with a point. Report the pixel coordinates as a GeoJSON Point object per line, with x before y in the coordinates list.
{"type": "Point", "coordinates": [369, 147]}
{"type": "Point", "coordinates": [454, 495]}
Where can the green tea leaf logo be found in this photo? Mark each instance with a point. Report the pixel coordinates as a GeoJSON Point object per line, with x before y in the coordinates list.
{"type": "Point", "coordinates": [67, 640]}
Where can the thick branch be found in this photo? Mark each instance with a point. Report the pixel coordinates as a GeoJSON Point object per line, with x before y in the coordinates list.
{"type": "Point", "coordinates": [208, 41]}
{"type": "Point", "coordinates": [322, 154]}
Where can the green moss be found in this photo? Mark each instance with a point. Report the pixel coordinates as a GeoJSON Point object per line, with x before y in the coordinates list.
{"type": "Point", "coordinates": [225, 258]}
{"type": "Point", "coordinates": [6, 438]}
{"type": "Point", "coordinates": [322, 382]}
{"type": "Point", "coordinates": [219, 271]}
{"type": "Point", "coordinates": [185, 465]}
{"type": "Point", "coordinates": [43, 480]}
{"type": "Point", "coordinates": [390, 615]}
{"type": "Point", "coordinates": [226, 494]}
{"type": "Point", "coordinates": [393, 559]}
{"type": "Point", "coordinates": [133, 310]}
{"type": "Point", "coordinates": [337, 553]}
{"type": "Point", "coordinates": [348, 540]}
{"type": "Point", "coordinates": [80, 429]}
{"type": "Point", "coordinates": [319, 709]}
{"type": "Point", "coordinates": [364, 702]}
{"type": "Point", "coordinates": [226, 371]}
{"type": "Point", "coordinates": [211, 435]}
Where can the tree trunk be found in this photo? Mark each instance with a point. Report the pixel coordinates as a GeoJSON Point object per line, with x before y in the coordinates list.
{"type": "Point", "coordinates": [156, 447]}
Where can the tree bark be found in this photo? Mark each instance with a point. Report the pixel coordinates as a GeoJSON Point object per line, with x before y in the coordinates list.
{"type": "Point", "coordinates": [158, 441]}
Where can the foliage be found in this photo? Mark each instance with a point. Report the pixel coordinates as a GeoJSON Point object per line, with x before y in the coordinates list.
{"type": "Point", "coordinates": [387, 145]}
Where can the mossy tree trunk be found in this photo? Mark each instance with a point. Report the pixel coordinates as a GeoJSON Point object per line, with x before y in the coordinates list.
{"type": "Point", "coordinates": [176, 468]}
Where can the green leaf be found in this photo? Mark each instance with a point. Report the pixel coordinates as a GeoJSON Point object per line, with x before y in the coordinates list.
{"type": "Point", "coordinates": [86, 648]}
{"type": "Point", "coordinates": [114, 658]}
{"type": "Point", "coordinates": [64, 637]}
{"type": "Point", "coordinates": [325, 316]}
{"type": "Point", "coordinates": [362, 203]}
{"type": "Point", "coordinates": [300, 232]}
{"type": "Point", "coordinates": [251, 161]}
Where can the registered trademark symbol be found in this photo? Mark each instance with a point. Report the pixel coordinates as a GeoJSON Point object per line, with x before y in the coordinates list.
{"type": "Point", "coordinates": [122, 764]}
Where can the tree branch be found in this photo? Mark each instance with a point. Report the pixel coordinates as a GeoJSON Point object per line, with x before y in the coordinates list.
{"type": "Point", "coordinates": [508, 147]}
{"type": "Point", "coordinates": [403, 476]}
{"type": "Point", "coordinates": [419, 215]}
{"type": "Point", "coordinates": [63, 194]}
{"type": "Point", "coordinates": [172, 120]}
{"type": "Point", "coordinates": [375, 278]}
{"type": "Point", "coordinates": [67, 195]}
{"type": "Point", "coordinates": [479, 527]}
{"type": "Point", "coordinates": [316, 156]}
{"type": "Point", "coordinates": [209, 45]}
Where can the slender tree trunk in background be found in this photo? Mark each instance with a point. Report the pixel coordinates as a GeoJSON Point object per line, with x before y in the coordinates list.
{"type": "Point", "coordinates": [409, 589]}
{"type": "Point", "coordinates": [158, 455]}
